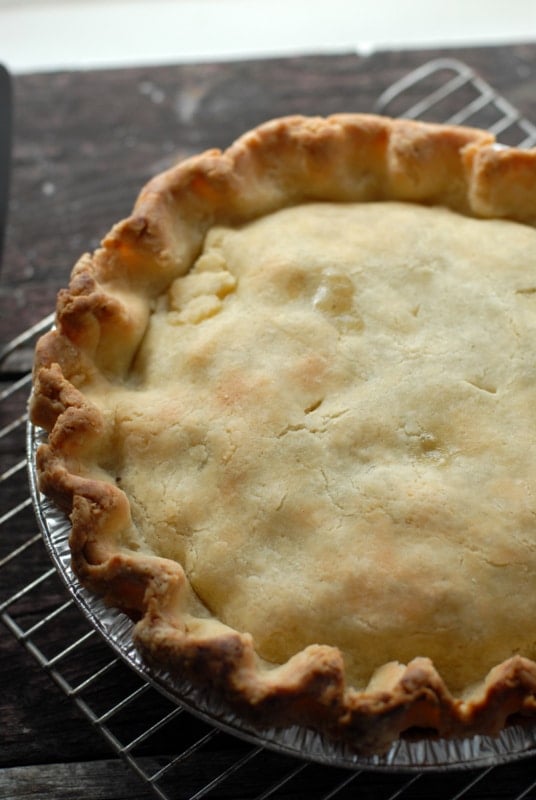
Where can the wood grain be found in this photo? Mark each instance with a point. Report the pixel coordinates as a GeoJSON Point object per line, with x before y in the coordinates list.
{"type": "Point", "coordinates": [63, 781]}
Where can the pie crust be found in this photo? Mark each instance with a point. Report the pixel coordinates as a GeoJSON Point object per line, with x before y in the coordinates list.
{"type": "Point", "coordinates": [290, 411]}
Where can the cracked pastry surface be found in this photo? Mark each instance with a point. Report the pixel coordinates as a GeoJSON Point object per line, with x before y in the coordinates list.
{"type": "Point", "coordinates": [290, 406]}
{"type": "Point", "coordinates": [322, 420]}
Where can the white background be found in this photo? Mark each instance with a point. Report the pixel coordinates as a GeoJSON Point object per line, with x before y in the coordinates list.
{"type": "Point", "coordinates": [47, 35]}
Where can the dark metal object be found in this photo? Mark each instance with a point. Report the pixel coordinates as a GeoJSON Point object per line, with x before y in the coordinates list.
{"type": "Point", "coordinates": [6, 102]}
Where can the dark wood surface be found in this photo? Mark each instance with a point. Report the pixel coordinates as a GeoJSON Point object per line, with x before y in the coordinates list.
{"type": "Point", "coordinates": [84, 143]}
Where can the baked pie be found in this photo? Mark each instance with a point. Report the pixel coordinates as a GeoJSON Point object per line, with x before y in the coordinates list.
{"type": "Point", "coordinates": [291, 410]}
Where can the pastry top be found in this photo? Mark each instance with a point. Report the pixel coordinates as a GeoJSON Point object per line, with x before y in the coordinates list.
{"type": "Point", "coordinates": [333, 435]}
{"type": "Point", "coordinates": [290, 404]}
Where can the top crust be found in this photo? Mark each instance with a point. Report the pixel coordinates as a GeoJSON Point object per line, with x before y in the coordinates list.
{"type": "Point", "coordinates": [101, 349]}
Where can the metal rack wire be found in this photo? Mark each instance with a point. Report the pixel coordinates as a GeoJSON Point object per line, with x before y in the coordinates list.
{"type": "Point", "coordinates": [196, 760]}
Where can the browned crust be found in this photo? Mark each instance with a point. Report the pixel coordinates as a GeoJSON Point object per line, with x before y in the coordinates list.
{"type": "Point", "coordinates": [101, 318]}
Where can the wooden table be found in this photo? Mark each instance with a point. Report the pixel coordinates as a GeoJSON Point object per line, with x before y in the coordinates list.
{"type": "Point", "coordinates": [84, 144]}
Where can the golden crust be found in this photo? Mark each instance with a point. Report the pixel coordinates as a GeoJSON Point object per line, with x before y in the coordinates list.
{"type": "Point", "coordinates": [102, 319]}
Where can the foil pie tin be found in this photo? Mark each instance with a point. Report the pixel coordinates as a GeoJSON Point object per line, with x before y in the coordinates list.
{"type": "Point", "coordinates": [514, 743]}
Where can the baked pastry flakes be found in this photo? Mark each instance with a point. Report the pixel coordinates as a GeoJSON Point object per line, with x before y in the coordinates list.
{"type": "Point", "coordinates": [290, 410]}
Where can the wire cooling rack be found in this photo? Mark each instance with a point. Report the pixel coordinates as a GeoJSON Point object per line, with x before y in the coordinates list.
{"type": "Point", "coordinates": [195, 760]}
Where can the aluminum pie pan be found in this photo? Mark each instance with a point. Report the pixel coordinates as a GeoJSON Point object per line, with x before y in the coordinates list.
{"type": "Point", "coordinates": [516, 742]}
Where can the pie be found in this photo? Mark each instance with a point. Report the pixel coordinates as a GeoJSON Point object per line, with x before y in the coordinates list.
{"type": "Point", "coordinates": [291, 411]}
